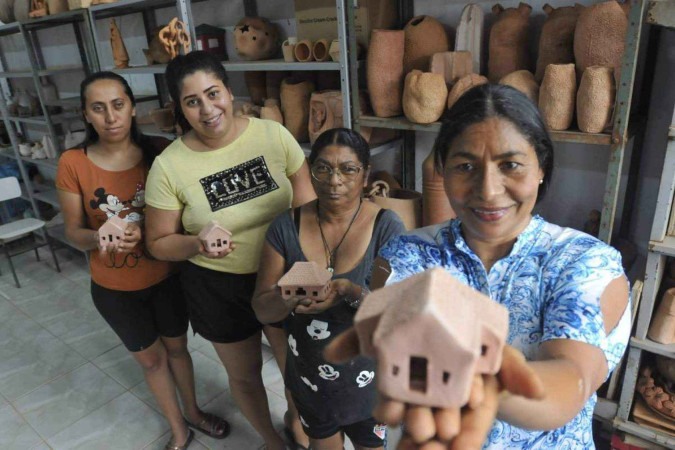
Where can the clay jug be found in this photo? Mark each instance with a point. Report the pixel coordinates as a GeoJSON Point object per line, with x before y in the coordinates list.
{"type": "Point", "coordinates": [557, 95]}
{"type": "Point", "coordinates": [452, 65]}
{"type": "Point", "coordinates": [556, 42]}
{"type": "Point", "coordinates": [435, 206]}
{"type": "Point", "coordinates": [599, 37]}
{"type": "Point", "coordinates": [295, 96]}
{"type": "Point", "coordinates": [119, 51]}
{"type": "Point", "coordinates": [508, 50]}
{"type": "Point", "coordinates": [256, 38]}
{"type": "Point", "coordinates": [595, 99]}
{"type": "Point", "coordinates": [256, 83]}
{"type": "Point", "coordinates": [524, 81]}
{"type": "Point", "coordinates": [424, 36]}
{"type": "Point", "coordinates": [424, 96]}
{"type": "Point", "coordinates": [464, 84]}
{"type": "Point", "coordinates": [384, 67]}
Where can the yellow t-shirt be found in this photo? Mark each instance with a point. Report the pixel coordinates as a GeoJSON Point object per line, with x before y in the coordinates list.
{"type": "Point", "coordinates": [242, 186]}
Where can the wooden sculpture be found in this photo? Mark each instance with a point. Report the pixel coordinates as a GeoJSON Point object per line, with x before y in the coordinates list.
{"type": "Point", "coordinates": [305, 280]}
{"type": "Point", "coordinates": [430, 335]}
{"type": "Point", "coordinates": [214, 237]}
{"type": "Point", "coordinates": [119, 51]}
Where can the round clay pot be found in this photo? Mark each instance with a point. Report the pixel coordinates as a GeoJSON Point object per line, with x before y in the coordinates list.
{"type": "Point", "coordinates": [508, 49]}
{"type": "Point", "coordinates": [424, 96]}
{"type": "Point", "coordinates": [557, 95]}
{"type": "Point", "coordinates": [320, 50]}
{"type": "Point", "coordinates": [295, 95]}
{"type": "Point", "coordinates": [599, 36]}
{"type": "Point", "coordinates": [256, 38]}
{"type": "Point", "coordinates": [256, 83]}
{"type": "Point", "coordinates": [595, 99]}
{"type": "Point", "coordinates": [303, 51]}
{"type": "Point", "coordinates": [435, 205]}
{"type": "Point", "coordinates": [556, 42]}
{"type": "Point", "coordinates": [424, 36]}
{"type": "Point", "coordinates": [524, 81]}
{"type": "Point", "coordinates": [464, 84]}
{"type": "Point", "coordinates": [384, 67]}
{"type": "Point", "coordinates": [21, 10]}
{"type": "Point", "coordinates": [57, 6]}
{"type": "Point", "coordinates": [334, 50]}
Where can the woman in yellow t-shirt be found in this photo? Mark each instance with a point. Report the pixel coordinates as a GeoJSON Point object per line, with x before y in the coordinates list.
{"type": "Point", "coordinates": [241, 173]}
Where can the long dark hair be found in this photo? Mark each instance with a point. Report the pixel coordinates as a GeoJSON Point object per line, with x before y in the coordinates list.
{"type": "Point", "coordinates": [146, 144]}
{"type": "Point", "coordinates": [182, 66]}
{"type": "Point", "coordinates": [493, 100]}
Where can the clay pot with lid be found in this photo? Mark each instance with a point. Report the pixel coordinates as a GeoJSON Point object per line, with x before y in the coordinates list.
{"type": "Point", "coordinates": [384, 67]}
{"type": "Point", "coordinates": [424, 36]}
{"type": "Point", "coordinates": [508, 46]}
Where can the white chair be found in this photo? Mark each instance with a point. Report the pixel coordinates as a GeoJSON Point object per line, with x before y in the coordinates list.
{"type": "Point", "coordinates": [9, 189]}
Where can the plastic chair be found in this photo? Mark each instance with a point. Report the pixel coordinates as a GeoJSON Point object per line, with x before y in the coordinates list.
{"type": "Point", "coordinates": [9, 189]}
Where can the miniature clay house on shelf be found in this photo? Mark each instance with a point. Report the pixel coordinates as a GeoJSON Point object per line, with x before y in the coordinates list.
{"type": "Point", "coordinates": [214, 237]}
{"type": "Point", "coordinates": [430, 334]}
{"type": "Point", "coordinates": [112, 231]}
{"type": "Point", "coordinates": [306, 280]}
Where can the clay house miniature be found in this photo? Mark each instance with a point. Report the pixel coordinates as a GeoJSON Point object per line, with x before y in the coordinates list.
{"type": "Point", "coordinates": [306, 280]}
{"type": "Point", "coordinates": [214, 237]}
{"type": "Point", "coordinates": [112, 231]}
{"type": "Point", "coordinates": [430, 334]}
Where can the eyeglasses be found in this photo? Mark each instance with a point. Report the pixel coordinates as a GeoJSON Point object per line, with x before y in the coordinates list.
{"type": "Point", "coordinates": [323, 173]}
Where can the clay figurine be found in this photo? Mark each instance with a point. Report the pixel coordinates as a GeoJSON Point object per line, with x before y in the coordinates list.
{"type": "Point", "coordinates": [111, 231]}
{"type": "Point", "coordinates": [119, 51]}
{"type": "Point", "coordinates": [662, 328]}
{"type": "Point", "coordinates": [508, 49]}
{"type": "Point", "coordinates": [214, 237]}
{"type": "Point", "coordinates": [305, 280]}
{"type": "Point", "coordinates": [470, 34]}
{"type": "Point", "coordinates": [430, 335]}
{"type": "Point", "coordinates": [256, 38]}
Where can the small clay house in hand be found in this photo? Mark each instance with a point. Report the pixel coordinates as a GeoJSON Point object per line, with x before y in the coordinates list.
{"type": "Point", "coordinates": [214, 237]}
{"type": "Point", "coordinates": [112, 231]}
{"type": "Point", "coordinates": [305, 280]}
{"type": "Point", "coordinates": [430, 334]}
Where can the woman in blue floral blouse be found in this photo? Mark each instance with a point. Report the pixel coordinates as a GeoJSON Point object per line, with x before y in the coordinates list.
{"type": "Point", "coordinates": [567, 294]}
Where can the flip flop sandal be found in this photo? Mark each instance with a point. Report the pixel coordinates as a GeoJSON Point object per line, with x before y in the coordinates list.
{"type": "Point", "coordinates": [171, 445]}
{"type": "Point", "coordinates": [210, 425]}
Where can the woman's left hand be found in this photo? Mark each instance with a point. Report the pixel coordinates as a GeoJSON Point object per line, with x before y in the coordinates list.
{"type": "Point", "coordinates": [339, 288]}
{"type": "Point", "coordinates": [132, 236]}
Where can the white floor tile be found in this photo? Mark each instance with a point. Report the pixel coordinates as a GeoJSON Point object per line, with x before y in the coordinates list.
{"type": "Point", "coordinates": [16, 433]}
{"type": "Point", "coordinates": [120, 365]}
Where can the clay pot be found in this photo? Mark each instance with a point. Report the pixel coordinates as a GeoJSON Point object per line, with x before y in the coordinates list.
{"type": "Point", "coordinates": [424, 36]}
{"type": "Point", "coordinates": [599, 37]}
{"type": "Point", "coordinates": [57, 6]}
{"type": "Point", "coordinates": [435, 206]}
{"type": "Point", "coordinates": [119, 51]}
{"type": "Point", "coordinates": [595, 99]}
{"type": "Point", "coordinates": [384, 67]}
{"type": "Point", "coordinates": [256, 83]}
{"type": "Point", "coordinates": [271, 111]}
{"type": "Point", "coordinates": [320, 50]}
{"type": "Point", "coordinates": [464, 84]}
{"type": "Point", "coordinates": [334, 50]}
{"type": "Point", "coordinates": [303, 51]}
{"type": "Point", "coordinates": [557, 95]}
{"type": "Point", "coordinates": [424, 96]}
{"type": "Point", "coordinates": [556, 42]}
{"type": "Point", "coordinates": [452, 65]}
{"type": "Point", "coordinates": [508, 50]}
{"type": "Point", "coordinates": [524, 81]}
{"type": "Point", "coordinates": [256, 38]}
{"type": "Point", "coordinates": [295, 96]}
{"type": "Point", "coordinates": [163, 119]}
{"type": "Point", "coordinates": [470, 34]}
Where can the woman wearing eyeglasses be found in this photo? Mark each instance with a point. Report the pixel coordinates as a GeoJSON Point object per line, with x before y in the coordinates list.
{"type": "Point", "coordinates": [341, 232]}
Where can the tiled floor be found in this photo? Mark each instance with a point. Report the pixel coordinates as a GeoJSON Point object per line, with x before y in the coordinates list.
{"type": "Point", "coordinates": [66, 382]}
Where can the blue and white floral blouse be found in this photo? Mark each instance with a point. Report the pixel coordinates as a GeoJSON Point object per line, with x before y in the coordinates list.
{"type": "Point", "coordinates": [551, 283]}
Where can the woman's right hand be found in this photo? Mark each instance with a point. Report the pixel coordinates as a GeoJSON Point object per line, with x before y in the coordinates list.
{"type": "Point", "coordinates": [213, 255]}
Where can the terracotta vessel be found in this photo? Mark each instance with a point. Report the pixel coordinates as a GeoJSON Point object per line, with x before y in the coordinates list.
{"type": "Point", "coordinates": [119, 51]}
{"type": "Point", "coordinates": [599, 37]}
{"type": "Point", "coordinates": [595, 99]}
{"type": "Point", "coordinates": [334, 50]}
{"type": "Point", "coordinates": [404, 202]}
{"type": "Point", "coordinates": [256, 38]}
{"type": "Point", "coordinates": [435, 205]}
{"type": "Point", "coordinates": [464, 84]}
{"type": "Point", "coordinates": [524, 81]}
{"type": "Point", "coordinates": [556, 42]}
{"type": "Point", "coordinates": [295, 96]}
{"type": "Point", "coordinates": [557, 95]}
{"type": "Point", "coordinates": [384, 67]}
{"type": "Point", "coordinates": [470, 34]}
{"type": "Point", "coordinates": [424, 96]}
{"type": "Point", "coordinates": [509, 41]}
{"type": "Point", "coordinates": [272, 111]}
{"type": "Point", "coordinates": [662, 328]}
{"type": "Point", "coordinates": [424, 36]}
{"type": "Point", "coordinates": [452, 65]}
{"type": "Point", "coordinates": [303, 51]}
{"type": "Point", "coordinates": [256, 83]}
{"type": "Point", "coordinates": [320, 50]}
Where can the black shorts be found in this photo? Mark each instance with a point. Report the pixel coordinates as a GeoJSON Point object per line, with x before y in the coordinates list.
{"type": "Point", "coordinates": [220, 304]}
{"type": "Point", "coordinates": [365, 433]}
{"type": "Point", "coordinates": [140, 317]}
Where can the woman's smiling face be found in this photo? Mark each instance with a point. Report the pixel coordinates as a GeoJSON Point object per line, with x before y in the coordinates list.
{"type": "Point", "coordinates": [207, 104]}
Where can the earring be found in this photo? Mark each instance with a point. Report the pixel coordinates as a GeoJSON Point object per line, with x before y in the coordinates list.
{"type": "Point", "coordinates": [541, 181]}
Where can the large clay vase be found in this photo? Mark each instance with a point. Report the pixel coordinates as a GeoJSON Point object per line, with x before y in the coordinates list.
{"type": "Point", "coordinates": [435, 205]}
{"type": "Point", "coordinates": [384, 67]}
{"type": "Point", "coordinates": [424, 36]}
{"type": "Point", "coordinates": [595, 99]}
{"type": "Point", "coordinates": [295, 96]}
{"type": "Point", "coordinates": [452, 65]}
{"type": "Point", "coordinates": [119, 51]}
{"type": "Point", "coordinates": [524, 81]}
{"type": "Point", "coordinates": [256, 38]}
{"type": "Point", "coordinates": [464, 84]}
{"type": "Point", "coordinates": [557, 95]}
{"type": "Point", "coordinates": [599, 37]}
{"type": "Point", "coordinates": [256, 83]}
{"type": "Point", "coordinates": [556, 42]}
{"type": "Point", "coordinates": [424, 96]}
{"type": "Point", "coordinates": [508, 50]}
